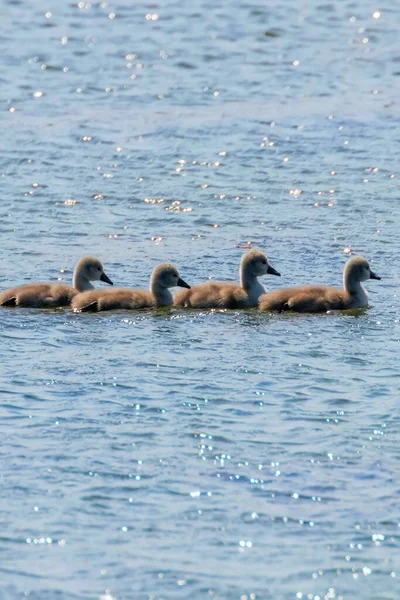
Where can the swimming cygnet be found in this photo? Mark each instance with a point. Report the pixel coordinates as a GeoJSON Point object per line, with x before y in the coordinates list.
{"type": "Point", "coordinates": [321, 298]}
{"type": "Point", "coordinates": [163, 277]}
{"type": "Point", "coordinates": [54, 295]}
{"type": "Point", "coordinates": [217, 294]}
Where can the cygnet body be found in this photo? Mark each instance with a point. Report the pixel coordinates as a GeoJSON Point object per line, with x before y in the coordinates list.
{"type": "Point", "coordinates": [221, 294]}
{"type": "Point", "coordinates": [163, 277]}
{"type": "Point", "coordinates": [321, 298]}
{"type": "Point", "coordinates": [55, 295]}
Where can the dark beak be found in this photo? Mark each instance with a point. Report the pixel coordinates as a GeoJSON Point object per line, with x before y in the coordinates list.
{"type": "Point", "coordinates": [271, 271]}
{"type": "Point", "coordinates": [374, 276]}
{"type": "Point", "coordinates": [182, 283]}
{"type": "Point", "coordinates": [103, 277]}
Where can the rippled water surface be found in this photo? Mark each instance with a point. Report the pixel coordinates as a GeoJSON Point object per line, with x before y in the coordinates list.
{"type": "Point", "coordinates": [175, 454]}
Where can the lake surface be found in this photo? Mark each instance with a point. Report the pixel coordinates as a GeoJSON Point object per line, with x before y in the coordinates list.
{"type": "Point", "coordinates": [216, 455]}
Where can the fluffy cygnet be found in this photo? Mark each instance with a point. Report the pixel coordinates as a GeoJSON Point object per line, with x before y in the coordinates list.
{"type": "Point", "coordinates": [54, 295]}
{"type": "Point", "coordinates": [217, 294]}
{"type": "Point", "coordinates": [163, 277]}
{"type": "Point", "coordinates": [321, 298]}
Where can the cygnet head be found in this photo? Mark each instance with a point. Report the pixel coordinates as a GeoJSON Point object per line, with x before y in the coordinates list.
{"type": "Point", "coordinates": [256, 264]}
{"type": "Point", "coordinates": [167, 276]}
{"type": "Point", "coordinates": [91, 268]}
{"type": "Point", "coordinates": [358, 269]}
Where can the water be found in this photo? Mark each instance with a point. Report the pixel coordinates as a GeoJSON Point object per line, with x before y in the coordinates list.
{"type": "Point", "coordinates": [171, 454]}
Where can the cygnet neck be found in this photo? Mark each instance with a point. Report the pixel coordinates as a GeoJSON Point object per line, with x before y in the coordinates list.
{"type": "Point", "coordinates": [249, 282]}
{"type": "Point", "coordinates": [353, 286]}
{"type": "Point", "coordinates": [161, 294]}
{"type": "Point", "coordinates": [80, 281]}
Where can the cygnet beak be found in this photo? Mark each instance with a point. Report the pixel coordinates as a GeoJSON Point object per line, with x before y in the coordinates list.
{"type": "Point", "coordinates": [182, 283]}
{"type": "Point", "coordinates": [103, 277]}
{"type": "Point", "coordinates": [272, 271]}
{"type": "Point", "coordinates": [374, 276]}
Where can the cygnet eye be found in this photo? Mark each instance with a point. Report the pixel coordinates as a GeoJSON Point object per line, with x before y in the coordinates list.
{"type": "Point", "coordinates": [264, 262]}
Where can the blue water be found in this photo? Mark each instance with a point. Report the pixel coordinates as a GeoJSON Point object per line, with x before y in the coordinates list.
{"type": "Point", "coordinates": [172, 454]}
